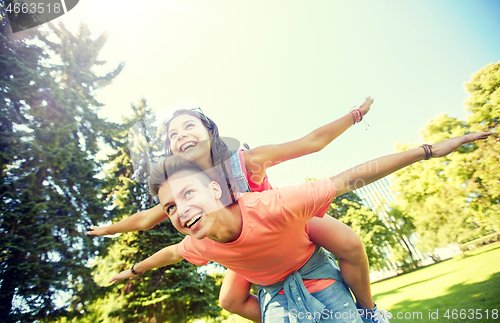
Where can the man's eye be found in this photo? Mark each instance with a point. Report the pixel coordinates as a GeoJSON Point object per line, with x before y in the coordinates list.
{"type": "Point", "coordinates": [170, 210]}
{"type": "Point", "coordinates": [188, 193]}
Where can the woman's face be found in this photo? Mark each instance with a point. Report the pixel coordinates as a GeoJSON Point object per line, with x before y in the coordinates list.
{"type": "Point", "coordinates": [190, 140]}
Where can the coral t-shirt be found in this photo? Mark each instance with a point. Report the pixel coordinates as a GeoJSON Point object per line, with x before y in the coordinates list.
{"type": "Point", "coordinates": [273, 241]}
{"type": "Point", "coordinates": [254, 187]}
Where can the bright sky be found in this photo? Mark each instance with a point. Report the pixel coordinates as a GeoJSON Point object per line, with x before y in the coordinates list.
{"type": "Point", "coordinates": [272, 71]}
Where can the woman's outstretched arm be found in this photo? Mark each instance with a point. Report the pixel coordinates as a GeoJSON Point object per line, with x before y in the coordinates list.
{"type": "Point", "coordinates": [258, 159]}
{"type": "Point", "coordinates": [143, 220]}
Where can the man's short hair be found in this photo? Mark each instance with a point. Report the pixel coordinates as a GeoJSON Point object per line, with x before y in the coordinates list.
{"type": "Point", "coordinates": [167, 167]}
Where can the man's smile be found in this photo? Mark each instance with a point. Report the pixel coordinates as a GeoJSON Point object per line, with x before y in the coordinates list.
{"type": "Point", "coordinates": [189, 224]}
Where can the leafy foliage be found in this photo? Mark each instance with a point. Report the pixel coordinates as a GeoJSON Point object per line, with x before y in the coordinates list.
{"type": "Point", "coordinates": [456, 198]}
{"type": "Point", "coordinates": [484, 99]}
{"type": "Point", "coordinates": [373, 232]}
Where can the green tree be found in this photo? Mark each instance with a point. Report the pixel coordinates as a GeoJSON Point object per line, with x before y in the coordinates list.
{"type": "Point", "coordinates": [18, 73]}
{"type": "Point", "coordinates": [375, 235]}
{"type": "Point", "coordinates": [457, 198]}
{"type": "Point", "coordinates": [483, 185]}
{"type": "Point", "coordinates": [402, 226]}
{"type": "Point", "coordinates": [432, 192]}
{"type": "Point", "coordinates": [49, 181]}
{"type": "Point", "coordinates": [484, 97]}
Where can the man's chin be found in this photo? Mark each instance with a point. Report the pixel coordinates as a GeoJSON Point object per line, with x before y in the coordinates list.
{"type": "Point", "coordinates": [198, 234]}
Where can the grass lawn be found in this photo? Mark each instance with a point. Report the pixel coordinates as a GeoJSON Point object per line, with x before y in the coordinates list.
{"type": "Point", "coordinates": [469, 283]}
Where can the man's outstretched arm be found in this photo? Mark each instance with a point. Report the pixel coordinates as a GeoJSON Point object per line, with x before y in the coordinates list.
{"type": "Point", "coordinates": [376, 169]}
{"type": "Point", "coordinates": [166, 256]}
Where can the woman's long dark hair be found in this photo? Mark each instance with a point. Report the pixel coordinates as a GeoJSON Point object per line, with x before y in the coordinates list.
{"type": "Point", "coordinates": [219, 152]}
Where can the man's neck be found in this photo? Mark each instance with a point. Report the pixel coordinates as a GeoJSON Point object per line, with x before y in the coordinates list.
{"type": "Point", "coordinates": [228, 225]}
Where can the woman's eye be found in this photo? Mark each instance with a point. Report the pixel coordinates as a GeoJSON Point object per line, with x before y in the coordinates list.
{"type": "Point", "coordinates": [188, 193]}
{"type": "Point", "coordinates": [170, 210]}
{"type": "Point", "coordinates": [173, 134]}
{"type": "Point", "coordinates": [189, 125]}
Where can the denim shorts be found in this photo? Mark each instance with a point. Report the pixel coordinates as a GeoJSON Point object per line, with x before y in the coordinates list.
{"type": "Point", "coordinates": [338, 301]}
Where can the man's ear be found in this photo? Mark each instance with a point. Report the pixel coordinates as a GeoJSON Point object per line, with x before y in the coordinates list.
{"type": "Point", "coordinates": [215, 188]}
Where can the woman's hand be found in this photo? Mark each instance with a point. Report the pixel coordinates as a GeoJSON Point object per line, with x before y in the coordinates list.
{"type": "Point", "coordinates": [445, 147]}
{"type": "Point", "coordinates": [365, 107]}
{"type": "Point", "coordinates": [98, 231]}
{"type": "Point", "coordinates": [127, 273]}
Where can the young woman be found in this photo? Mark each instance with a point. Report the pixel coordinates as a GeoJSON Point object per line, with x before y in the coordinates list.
{"type": "Point", "coordinates": [195, 138]}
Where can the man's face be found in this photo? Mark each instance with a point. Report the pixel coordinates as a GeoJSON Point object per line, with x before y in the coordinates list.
{"type": "Point", "coordinates": [190, 202]}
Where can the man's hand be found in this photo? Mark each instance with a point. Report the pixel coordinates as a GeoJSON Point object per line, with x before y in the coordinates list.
{"type": "Point", "coordinates": [98, 231]}
{"type": "Point", "coordinates": [127, 273]}
{"type": "Point", "coordinates": [445, 147]}
{"type": "Point", "coordinates": [365, 107]}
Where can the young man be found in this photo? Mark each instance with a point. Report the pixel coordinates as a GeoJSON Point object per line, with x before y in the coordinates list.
{"type": "Point", "coordinates": [263, 236]}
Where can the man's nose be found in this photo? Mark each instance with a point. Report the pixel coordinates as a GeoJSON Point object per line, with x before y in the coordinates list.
{"type": "Point", "coordinates": [183, 209]}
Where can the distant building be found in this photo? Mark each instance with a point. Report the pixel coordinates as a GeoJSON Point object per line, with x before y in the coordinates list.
{"type": "Point", "coordinates": [376, 193]}
{"type": "Point", "coordinates": [377, 196]}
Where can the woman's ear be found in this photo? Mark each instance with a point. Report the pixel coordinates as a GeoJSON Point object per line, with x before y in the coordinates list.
{"type": "Point", "coordinates": [215, 188]}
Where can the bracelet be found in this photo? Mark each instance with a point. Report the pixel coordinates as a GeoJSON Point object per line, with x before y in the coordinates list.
{"type": "Point", "coordinates": [428, 151]}
{"type": "Point", "coordinates": [360, 114]}
{"type": "Point", "coordinates": [133, 270]}
{"type": "Point", "coordinates": [353, 116]}
{"type": "Point", "coordinates": [356, 111]}
{"type": "Point", "coordinates": [357, 115]}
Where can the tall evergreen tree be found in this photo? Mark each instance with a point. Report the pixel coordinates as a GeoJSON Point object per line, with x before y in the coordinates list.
{"type": "Point", "coordinates": [18, 74]}
{"type": "Point", "coordinates": [49, 181]}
